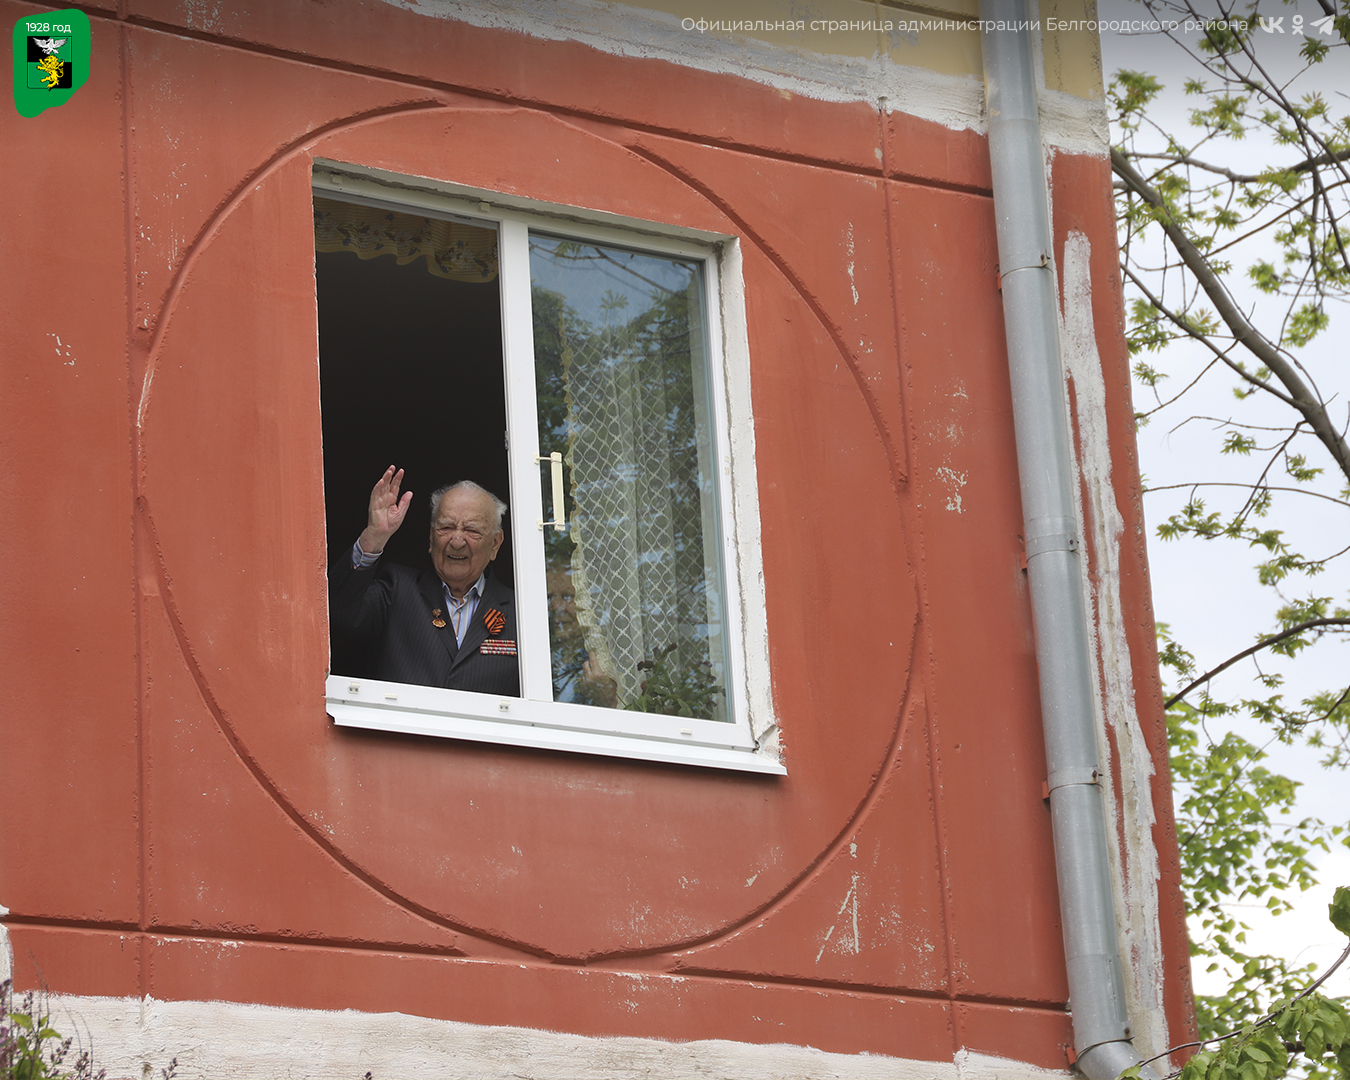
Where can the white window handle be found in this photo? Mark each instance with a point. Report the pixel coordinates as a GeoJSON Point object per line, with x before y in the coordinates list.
{"type": "Point", "coordinates": [559, 522]}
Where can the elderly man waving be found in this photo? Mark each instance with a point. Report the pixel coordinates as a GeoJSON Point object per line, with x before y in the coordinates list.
{"type": "Point", "coordinates": [453, 625]}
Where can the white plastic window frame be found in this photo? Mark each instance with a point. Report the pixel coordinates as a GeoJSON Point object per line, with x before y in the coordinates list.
{"type": "Point", "coordinates": [535, 719]}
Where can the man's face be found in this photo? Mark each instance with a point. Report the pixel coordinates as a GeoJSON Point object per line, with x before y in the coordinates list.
{"type": "Point", "coordinates": [463, 538]}
{"type": "Point", "coordinates": [562, 603]}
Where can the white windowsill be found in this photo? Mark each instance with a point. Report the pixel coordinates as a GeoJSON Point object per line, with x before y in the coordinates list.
{"type": "Point", "coordinates": [544, 725]}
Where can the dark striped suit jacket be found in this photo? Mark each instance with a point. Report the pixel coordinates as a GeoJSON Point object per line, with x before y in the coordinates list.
{"type": "Point", "coordinates": [382, 627]}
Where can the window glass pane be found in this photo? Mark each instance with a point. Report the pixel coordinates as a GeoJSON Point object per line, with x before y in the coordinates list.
{"type": "Point", "coordinates": [635, 586]}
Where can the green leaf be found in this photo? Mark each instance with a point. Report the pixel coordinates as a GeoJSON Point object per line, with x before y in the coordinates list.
{"type": "Point", "coordinates": [1339, 910]}
{"type": "Point", "coordinates": [1265, 276]}
{"type": "Point", "coordinates": [1307, 322]}
{"type": "Point", "coordinates": [1314, 51]}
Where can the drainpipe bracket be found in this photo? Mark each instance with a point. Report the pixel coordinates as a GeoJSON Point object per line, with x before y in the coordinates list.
{"type": "Point", "coordinates": [1082, 774]}
{"type": "Point", "coordinates": [1039, 545]}
{"type": "Point", "coordinates": [1038, 260]}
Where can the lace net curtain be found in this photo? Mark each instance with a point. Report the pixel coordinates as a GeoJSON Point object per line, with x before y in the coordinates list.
{"type": "Point", "coordinates": [448, 248]}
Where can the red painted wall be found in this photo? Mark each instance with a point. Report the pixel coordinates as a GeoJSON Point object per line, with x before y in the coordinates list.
{"type": "Point", "coordinates": [182, 818]}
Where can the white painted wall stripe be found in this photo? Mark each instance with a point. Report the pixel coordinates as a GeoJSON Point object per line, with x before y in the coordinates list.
{"type": "Point", "coordinates": [1131, 816]}
{"type": "Point", "coordinates": [954, 101]}
{"type": "Point", "coordinates": [134, 1038]}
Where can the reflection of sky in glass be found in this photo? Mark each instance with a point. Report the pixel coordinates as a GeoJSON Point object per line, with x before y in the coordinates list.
{"type": "Point", "coordinates": [633, 276]}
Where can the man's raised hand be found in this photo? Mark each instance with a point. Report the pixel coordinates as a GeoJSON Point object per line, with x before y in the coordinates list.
{"type": "Point", "coordinates": [387, 511]}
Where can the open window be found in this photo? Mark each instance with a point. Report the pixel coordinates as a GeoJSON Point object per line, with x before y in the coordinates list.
{"type": "Point", "coordinates": [573, 369]}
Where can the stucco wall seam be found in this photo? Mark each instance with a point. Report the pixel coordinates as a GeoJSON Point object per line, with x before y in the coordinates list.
{"type": "Point", "coordinates": [136, 368]}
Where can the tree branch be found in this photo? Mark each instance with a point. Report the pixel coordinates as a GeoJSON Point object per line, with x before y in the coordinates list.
{"type": "Point", "coordinates": [1265, 643]}
{"type": "Point", "coordinates": [1264, 487]}
{"type": "Point", "coordinates": [1244, 178]}
{"type": "Point", "coordinates": [1222, 354]}
{"type": "Point", "coordinates": [1179, 394]}
{"type": "Point", "coordinates": [1300, 396]}
{"type": "Point", "coordinates": [1288, 211]}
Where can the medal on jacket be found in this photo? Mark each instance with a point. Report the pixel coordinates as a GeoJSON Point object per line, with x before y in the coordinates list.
{"type": "Point", "coordinates": [436, 620]}
{"type": "Point", "coordinates": [495, 621]}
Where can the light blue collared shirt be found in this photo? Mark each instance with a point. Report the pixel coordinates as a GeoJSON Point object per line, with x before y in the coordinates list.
{"type": "Point", "coordinates": [462, 611]}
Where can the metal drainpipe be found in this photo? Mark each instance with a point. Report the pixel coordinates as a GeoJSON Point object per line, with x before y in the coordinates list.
{"type": "Point", "coordinates": [1101, 1027]}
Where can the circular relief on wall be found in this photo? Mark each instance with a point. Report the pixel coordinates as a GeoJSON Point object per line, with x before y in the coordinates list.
{"type": "Point", "coordinates": [562, 854]}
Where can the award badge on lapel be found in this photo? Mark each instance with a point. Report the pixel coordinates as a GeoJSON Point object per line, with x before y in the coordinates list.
{"type": "Point", "coordinates": [495, 645]}
{"type": "Point", "coordinates": [436, 619]}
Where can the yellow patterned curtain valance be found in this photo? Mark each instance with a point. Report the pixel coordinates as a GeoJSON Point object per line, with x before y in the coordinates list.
{"type": "Point", "coordinates": [450, 250]}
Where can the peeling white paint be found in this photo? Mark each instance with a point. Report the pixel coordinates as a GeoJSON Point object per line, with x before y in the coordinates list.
{"type": "Point", "coordinates": [741, 475]}
{"type": "Point", "coordinates": [857, 947]}
{"type": "Point", "coordinates": [955, 481]}
{"type": "Point", "coordinates": [138, 1037]}
{"type": "Point", "coordinates": [852, 262]}
{"type": "Point", "coordinates": [6, 950]}
{"type": "Point", "coordinates": [825, 941]}
{"type": "Point", "coordinates": [954, 101]}
{"type": "Point", "coordinates": [146, 382]}
{"type": "Point", "coordinates": [206, 14]}
{"type": "Point", "coordinates": [1131, 815]}
{"type": "Point", "coordinates": [850, 904]}
{"type": "Point", "coordinates": [63, 350]}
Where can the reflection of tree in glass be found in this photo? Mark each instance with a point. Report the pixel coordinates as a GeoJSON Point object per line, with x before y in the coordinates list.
{"type": "Point", "coordinates": [616, 397]}
{"type": "Point", "coordinates": [687, 691]}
